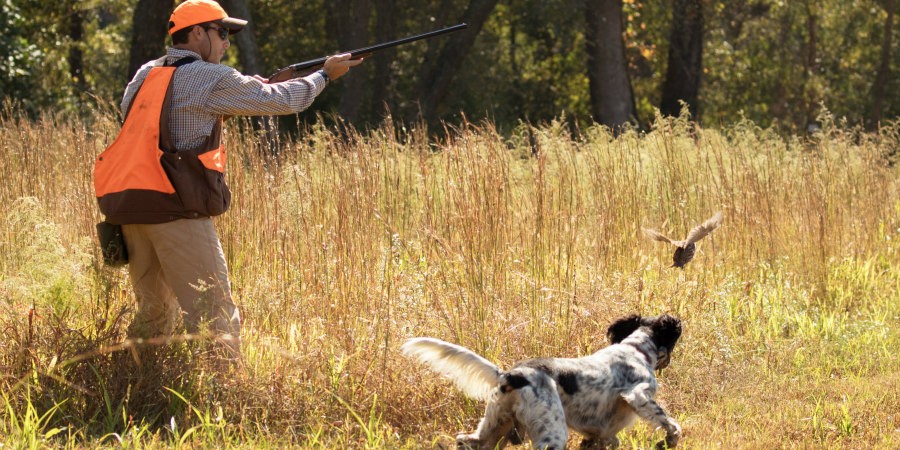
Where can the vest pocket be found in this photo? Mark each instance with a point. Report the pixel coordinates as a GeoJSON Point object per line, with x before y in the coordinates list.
{"type": "Point", "coordinates": [219, 197]}
{"type": "Point", "coordinates": [203, 192]}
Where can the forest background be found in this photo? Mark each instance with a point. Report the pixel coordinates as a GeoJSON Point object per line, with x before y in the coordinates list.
{"type": "Point", "coordinates": [777, 63]}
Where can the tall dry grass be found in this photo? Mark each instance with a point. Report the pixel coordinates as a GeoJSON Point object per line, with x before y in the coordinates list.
{"type": "Point", "coordinates": [516, 246]}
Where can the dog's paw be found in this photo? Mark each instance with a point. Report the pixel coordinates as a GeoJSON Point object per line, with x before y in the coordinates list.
{"type": "Point", "coordinates": [514, 437]}
{"type": "Point", "coordinates": [599, 444]}
{"type": "Point", "coordinates": [543, 446]}
{"type": "Point", "coordinates": [673, 435]}
{"type": "Point", "coordinates": [671, 441]}
{"type": "Point", "coordinates": [467, 442]}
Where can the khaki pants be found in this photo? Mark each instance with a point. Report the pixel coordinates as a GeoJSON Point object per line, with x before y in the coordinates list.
{"type": "Point", "coordinates": [178, 268]}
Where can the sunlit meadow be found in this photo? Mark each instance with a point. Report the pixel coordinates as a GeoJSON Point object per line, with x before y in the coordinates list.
{"type": "Point", "coordinates": [517, 245]}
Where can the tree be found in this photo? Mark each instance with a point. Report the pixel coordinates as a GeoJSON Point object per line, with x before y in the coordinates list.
{"type": "Point", "coordinates": [612, 99]}
{"type": "Point", "coordinates": [21, 55]}
{"type": "Point", "coordinates": [685, 63]}
{"type": "Point", "coordinates": [884, 68]}
{"type": "Point", "coordinates": [150, 28]}
{"type": "Point", "coordinates": [75, 31]}
{"type": "Point", "coordinates": [812, 96]}
{"type": "Point", "coordinates": [348, 21]}
{"type": "Point", "coordinates": [385, 29]}
{"type": "Point", "coordinates": [246, 39]}
{"type": "Point", "coordinates": [439, 71]}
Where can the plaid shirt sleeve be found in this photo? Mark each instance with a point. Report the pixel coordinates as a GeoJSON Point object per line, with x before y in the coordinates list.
{"type": "Point", "coordinates": [237, 94]}
{"type": "Point", "coordinates": [204, 92]}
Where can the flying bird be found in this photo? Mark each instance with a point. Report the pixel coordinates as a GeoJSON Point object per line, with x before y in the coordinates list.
{"type": "Point", "coordinates": [684, 250]}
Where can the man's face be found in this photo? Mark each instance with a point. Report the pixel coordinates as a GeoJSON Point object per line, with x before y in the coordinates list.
{"type": "Point", "coordinates": [218, 43]}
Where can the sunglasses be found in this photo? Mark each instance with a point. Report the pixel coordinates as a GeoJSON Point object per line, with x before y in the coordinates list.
{"type": "Point", "coordinates": [223, 32]}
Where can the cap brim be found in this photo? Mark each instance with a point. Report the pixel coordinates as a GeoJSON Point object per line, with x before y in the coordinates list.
{"type": "Point", "coordinates": [233, 25]}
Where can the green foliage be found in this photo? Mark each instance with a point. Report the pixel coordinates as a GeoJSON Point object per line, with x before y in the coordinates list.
{"type": "Point", "coordinates": [25, 426]}
{"type": "Point", "coordinates": [37, 36]}
{"type": "Point", "coordinates": [39, 269]}
{"type": "Point", "coordinates": [526, 65]}
{"type": "Point", "coordinates": [21, 56]}
{"type": "Point", "coordinates": [757, 61]}
{"type": "Point", "coordinates": [535, 66]}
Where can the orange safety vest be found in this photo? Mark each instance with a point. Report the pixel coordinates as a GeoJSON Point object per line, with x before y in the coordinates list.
{"type": "Point", "coordinates": [142, 178]}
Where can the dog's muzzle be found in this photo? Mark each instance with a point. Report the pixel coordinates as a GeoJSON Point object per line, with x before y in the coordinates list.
{"type": "Point", "coordinates": [662, 358]}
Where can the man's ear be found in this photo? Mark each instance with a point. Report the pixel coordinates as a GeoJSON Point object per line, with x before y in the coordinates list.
{"type": "Point", "coordinates": [196, 32]}
{"type": "Point", "coordinates": [623, 327]}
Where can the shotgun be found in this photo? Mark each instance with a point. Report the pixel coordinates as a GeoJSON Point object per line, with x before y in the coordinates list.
{"type": "Point", "coordinates": [306, 67]}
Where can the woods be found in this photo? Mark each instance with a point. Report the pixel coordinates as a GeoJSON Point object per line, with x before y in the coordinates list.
{"type": "Point", "coordinates": [776, 63]}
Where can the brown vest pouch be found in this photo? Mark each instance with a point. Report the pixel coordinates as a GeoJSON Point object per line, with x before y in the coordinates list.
{"type": "Point", "coordinates": [198, 175]}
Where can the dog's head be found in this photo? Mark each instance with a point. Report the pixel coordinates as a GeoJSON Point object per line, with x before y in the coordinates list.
{"type": "Point", "coordinates": [663, 330]}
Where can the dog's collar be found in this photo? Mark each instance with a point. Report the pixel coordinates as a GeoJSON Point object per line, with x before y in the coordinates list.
{"type": "Point", "coordinates": [642, 351]}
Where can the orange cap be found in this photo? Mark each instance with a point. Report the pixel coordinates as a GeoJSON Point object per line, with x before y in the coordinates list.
{"type": "Point", "coordinates": [195, 12]}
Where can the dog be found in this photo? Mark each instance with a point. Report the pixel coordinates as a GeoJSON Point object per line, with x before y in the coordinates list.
{"type": "Point", "coordinates": [596, 395]}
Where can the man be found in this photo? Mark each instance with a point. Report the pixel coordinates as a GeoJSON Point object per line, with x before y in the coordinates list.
{"type": "Point", "coordinates": [164, 176]}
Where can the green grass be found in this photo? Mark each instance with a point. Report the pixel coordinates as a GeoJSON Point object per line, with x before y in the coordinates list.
{"type": "Point", "coordinates": [515, 246]}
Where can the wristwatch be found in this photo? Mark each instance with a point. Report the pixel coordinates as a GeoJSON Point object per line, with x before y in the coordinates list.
{"type": "Point", "coordinates": [324, 75]}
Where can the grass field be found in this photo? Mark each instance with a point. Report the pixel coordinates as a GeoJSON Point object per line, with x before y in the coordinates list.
{"type": "Point", "coordinates": [517, 246]}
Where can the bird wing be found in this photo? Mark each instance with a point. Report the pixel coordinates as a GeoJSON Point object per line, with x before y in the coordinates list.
{"type": "Point", "coordinates": [656, 235]}
{"type": "Point", "coordinates": [700, 231]}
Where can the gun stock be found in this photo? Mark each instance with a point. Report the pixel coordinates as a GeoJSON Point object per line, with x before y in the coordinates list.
{"type": "Point", "coordinates": [306, 67]}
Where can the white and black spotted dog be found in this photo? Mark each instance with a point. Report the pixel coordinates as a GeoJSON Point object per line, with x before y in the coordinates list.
{"type": "Point", "coordinates": [597, 395]}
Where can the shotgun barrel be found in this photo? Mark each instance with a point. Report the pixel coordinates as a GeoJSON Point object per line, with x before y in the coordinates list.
{"type": "Point", "coordinates": [307, 67]}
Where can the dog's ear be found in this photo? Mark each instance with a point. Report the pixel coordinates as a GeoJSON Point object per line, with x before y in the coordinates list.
{"type": "Point", "coordinates": [623, 327]}
{"type": "Point", "coordinates": [666, 331]}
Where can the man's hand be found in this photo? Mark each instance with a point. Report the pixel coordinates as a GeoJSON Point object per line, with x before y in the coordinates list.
{"type": "Point", "coordinates": [336, 66]}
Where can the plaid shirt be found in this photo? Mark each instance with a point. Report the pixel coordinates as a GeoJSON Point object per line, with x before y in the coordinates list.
{"type": "Point", "coordinates": [202, 92]}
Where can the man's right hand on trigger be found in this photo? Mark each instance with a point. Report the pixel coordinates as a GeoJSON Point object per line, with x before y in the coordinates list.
{"type": "Point", "coordinates": [336, 66]}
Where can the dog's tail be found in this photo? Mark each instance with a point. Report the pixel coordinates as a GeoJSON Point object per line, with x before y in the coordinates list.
{"type": "Point", "coordinates": [474, 375]}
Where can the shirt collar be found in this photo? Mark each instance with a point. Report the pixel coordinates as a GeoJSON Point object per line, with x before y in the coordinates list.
{"type": "Point", "coordinates": [174, 54]}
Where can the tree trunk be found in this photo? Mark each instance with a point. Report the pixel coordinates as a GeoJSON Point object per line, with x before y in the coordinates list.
{"type": "Point", "coordinates": [884, 69]}
{"type": "Point", "coordinates": [385, 30]}
{"type": "Point", "coordinates": [248, 56]}
{"type": "Point", "coordinates": [612, 99]}
{"type": "Point", "coordinates": [76, 55]}
{"type": "Point", "coordinates": [439, 72]}
{"type": "Point", "coordinates": [812, 96]}
{"type": "Point", "coordinates": [348, 22]}
{"type": "Point", "coordinates": [149, 31]}
{"type": "Point", "coordinates": [685, 63]}
{"type": "Point", "coordinates": [246, 39]}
